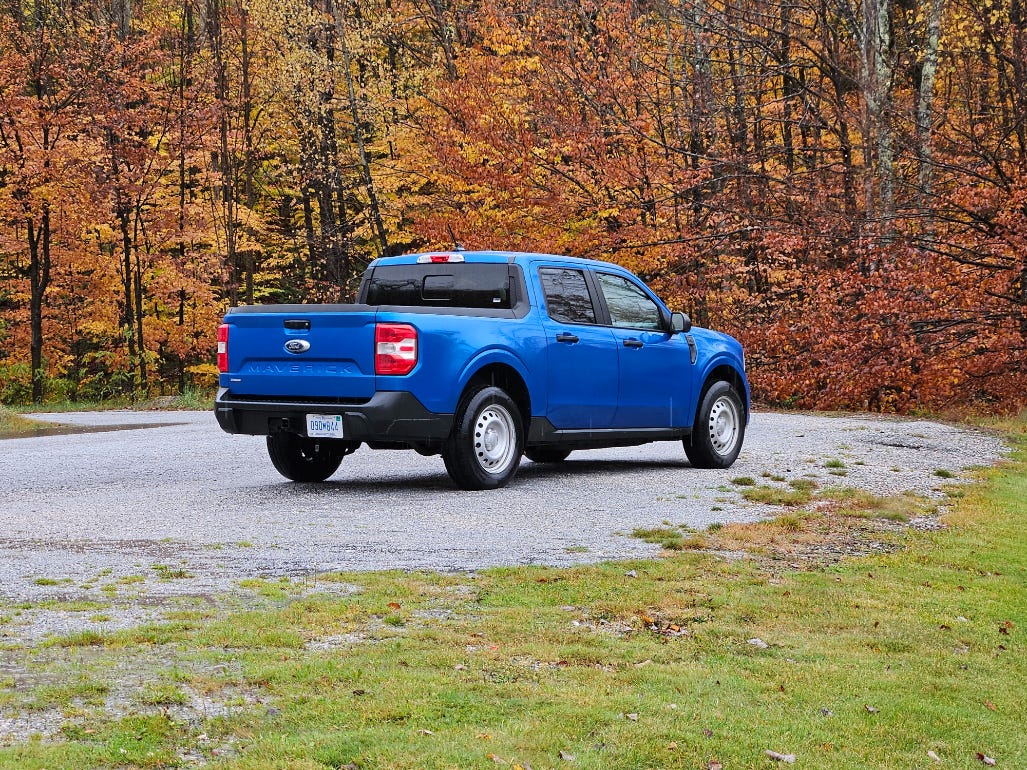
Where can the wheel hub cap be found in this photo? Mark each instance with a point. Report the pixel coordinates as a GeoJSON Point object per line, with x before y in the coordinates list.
{"type": "Point", "coordinates": [495, 442]}
{"type": "Point", "coordinates": [723, 426]}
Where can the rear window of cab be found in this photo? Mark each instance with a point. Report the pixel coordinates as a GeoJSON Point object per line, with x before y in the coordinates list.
{"type": "Point", "coordinates": [460, 285]}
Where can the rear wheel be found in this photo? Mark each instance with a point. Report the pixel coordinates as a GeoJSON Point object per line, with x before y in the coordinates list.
{"type": "Point", "coordinates": [484, 449]}
{"type": "Point", "coordinates": [719, 428]}
{"type": "Point", "coordinates": [300, 458]}
{"type": "Point", "coordinates": [546, 454]}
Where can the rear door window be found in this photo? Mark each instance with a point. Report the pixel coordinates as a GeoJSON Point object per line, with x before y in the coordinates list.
{"type": "Point", "coordinates": [567, 297]}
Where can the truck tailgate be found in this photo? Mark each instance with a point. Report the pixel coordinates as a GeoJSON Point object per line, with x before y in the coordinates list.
{"type": "Point", "coordinates": [331, 355]}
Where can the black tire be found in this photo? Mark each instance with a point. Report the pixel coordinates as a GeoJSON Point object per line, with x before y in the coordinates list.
{"type": "Point", "coordinates": [485, 447]}
{"type": "Point", "coordinates": [300, 458]}
{"type": "Point", "coordinates": [546, 454]}
{"type": "Point", "coordinates": [719, 428]}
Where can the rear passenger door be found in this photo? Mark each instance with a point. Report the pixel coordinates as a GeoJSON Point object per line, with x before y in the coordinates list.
{"type": "Point", "coordinates": [654, 364]}
{"type": "Point", "coordinates": [582, 355]}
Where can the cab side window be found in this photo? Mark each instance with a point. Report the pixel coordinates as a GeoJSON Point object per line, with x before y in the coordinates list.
{"type": "Point", "coordinates": [629, 306]}
{"type": "Point", "coordinates": [567, 297]}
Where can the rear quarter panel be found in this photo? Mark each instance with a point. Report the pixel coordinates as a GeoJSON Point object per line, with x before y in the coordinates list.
{"type": "Point", "coordinates": [452, 348]}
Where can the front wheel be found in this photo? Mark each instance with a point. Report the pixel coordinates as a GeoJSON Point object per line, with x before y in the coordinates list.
{"type": "Point", "coordinates": [300, 458]}
{"type": "Point", "coordinates": [719, 428]}
{"type": "Point", "coordinates": [484, 450]}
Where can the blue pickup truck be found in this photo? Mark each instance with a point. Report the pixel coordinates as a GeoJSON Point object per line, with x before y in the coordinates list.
{"type": "Point", "coordinates": [480, 357]}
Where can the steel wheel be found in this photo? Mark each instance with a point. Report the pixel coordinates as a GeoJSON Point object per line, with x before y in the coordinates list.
{"type": "Point", "coordinates": [495, 442]}
{"type": "Point", "coordinates": [484, 449]}
{"type": "Point", "coordinates": [719, 428]}
{"type": "Point", "coordinates": [723, 425]}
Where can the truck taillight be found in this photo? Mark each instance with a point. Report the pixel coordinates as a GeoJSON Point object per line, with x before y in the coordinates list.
{"type": "Point", "coordinates": [223, 348]}
{"type": "Point", "coordinates": [395, 348]}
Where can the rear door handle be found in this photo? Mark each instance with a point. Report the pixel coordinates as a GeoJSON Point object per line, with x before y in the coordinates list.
{"type": "Point", "coordinates": [630, 343]}
{"type": "Point", "coordinates": [564, 337]}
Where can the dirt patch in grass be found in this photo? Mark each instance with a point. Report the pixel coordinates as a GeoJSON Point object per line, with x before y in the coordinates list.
{"type": "Point", "coordinates": [817, 527]}
{"type": "Point", "coordinates": [806, 540]}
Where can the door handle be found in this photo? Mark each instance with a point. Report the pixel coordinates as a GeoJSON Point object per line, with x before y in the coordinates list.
{"type": "Point", "coordinates": [631, 343]}
{"type": "Point", "coordinates": [564, 337]}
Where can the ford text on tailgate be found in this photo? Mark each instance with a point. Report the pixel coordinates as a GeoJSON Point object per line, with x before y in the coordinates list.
{"type": "Point", "coordinates": [480, 357]}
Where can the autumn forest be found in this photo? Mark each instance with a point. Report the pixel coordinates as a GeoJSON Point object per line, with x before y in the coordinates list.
{"type": "Point", "coordinates": [842, 184]}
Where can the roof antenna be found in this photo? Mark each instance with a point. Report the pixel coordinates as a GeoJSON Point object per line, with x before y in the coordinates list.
{"type": "Point", "coordinates": [457, 246]}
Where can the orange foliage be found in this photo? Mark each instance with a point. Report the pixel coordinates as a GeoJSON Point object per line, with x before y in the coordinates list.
{"type": "Point", "coordinates": [865, 237]}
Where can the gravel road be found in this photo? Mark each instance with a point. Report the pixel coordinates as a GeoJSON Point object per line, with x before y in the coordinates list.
{"type": "Point", "coordinates": [170, 490]}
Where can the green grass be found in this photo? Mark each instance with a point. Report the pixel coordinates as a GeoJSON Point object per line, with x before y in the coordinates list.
{"type": "Point", "coordinates": [191, 398]}
{"type": "Point", "coordinates": [777, 496]}
{"type": "Point", "coordinates": [161, 694]}
{"type": "Point", "coordinates": [167, 572]}
{"type": "Point", "coordinates": [13, 425]}
{"type": "Point", "coordinates": [673, 537]}
{"type": "Point", "coordinates": [46, 581]}
{"type": "Point", "coordinates": [512, 666]}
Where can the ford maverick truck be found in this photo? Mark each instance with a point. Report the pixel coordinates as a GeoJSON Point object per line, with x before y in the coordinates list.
{"type": "Point", "coordinates": [481, 357]}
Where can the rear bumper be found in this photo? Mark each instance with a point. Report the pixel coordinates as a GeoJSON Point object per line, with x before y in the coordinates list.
{"type": "Point", "coordinates": [389, 416]}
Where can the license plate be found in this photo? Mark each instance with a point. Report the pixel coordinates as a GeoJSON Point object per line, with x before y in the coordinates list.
{"type": "Point", "coordinates": [324, 425]}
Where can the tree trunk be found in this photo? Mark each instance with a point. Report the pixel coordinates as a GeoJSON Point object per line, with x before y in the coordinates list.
{"type": "Point", "coordinates": [39, 280]}
{"type": "Point", "coordinates": [138, 284]}
{"type": "Point", "coordinates": [925, 105]}
{"type": "Point", "coordinates": [128, 316]}
{"type": "Point", "coordinates": [225, 169]}
{"type": "Point", "coordinates": [878, 69]}
{"type": "Point", "coordinates": [249, 154]}
{"type": "Point", "coordinates": [374, 210]}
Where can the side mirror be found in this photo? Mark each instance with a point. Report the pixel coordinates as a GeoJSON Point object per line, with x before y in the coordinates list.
{"type": "Point", "coordinates": [680, 322]}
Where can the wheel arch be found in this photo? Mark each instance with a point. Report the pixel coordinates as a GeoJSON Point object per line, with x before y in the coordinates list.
{"type": "Point", "coordinates": [502, 375]}
{"type": "Point", "coordinates": [724, 371]}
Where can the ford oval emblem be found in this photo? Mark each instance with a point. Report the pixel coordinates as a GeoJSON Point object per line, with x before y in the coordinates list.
{"type": "Point", "coordinates": [297, 346]}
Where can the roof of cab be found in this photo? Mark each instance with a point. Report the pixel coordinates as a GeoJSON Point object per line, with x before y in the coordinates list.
{"type": "Point", "coordinates": [484, 257]}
